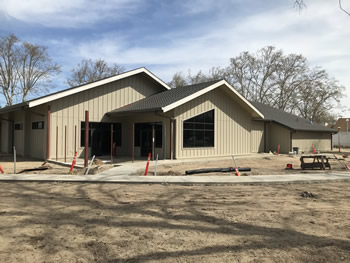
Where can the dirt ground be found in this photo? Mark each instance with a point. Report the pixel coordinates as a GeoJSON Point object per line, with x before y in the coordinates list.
{"type": "Point", "coordinates": [6, 161]}
{"type": "Point", "coordinates": [266, 164]}
{"type": "Point", "coordinates": [65, 222]}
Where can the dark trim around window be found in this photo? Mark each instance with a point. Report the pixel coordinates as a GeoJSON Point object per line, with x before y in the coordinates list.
{"type": "Point", "coordinates": [199, 130]}
{"type": "Point", "coordinates": [37, 125]}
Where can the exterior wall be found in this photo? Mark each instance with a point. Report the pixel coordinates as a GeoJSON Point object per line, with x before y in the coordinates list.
{"type": "Point", "coordinates": [70, 111]}
{"type": "Point", "coordinates": [304, 140]}
{"type": "Point", "coordinates": [257, 137]}
{"type": "Point", "coordinates": [35, 140]}
{"type": "Point", "coordinates": [278, 135]}
{"type": "Point", "coordinates": [127, 124]}
{"type": "Point", "coordinates": [341, 138]}
{"type": "Point", "coordinates": [5, 134]}
{"type": "Point", "coordinates": [232, 125]}
{"type": "Point", "coordinates": [19, 117]}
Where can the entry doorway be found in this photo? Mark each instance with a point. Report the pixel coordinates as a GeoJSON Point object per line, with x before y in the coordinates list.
{"type": "Point", "coordinates": [100, 137]}
{"type": "Point", "coordinates": [144, 137]}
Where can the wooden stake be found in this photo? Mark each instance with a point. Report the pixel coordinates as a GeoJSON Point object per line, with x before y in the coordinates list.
{"type": "Point", "coordinates": [48, 133]}
{"type": "Point", "coordinates": [75, 138]}
{"type": "Point", "coordinates": [171, 139]}
{"type": "Point", "coordinates": [111, 143]}
{"type": "Point", "coordinates": [236, 167]}
{"type": "Point", "coordinates": [65, 143]}
{"type": "Point", "coordinates": [153, 142]}
{"type": "Point", "coordinates": [133, 142]}
{"type": "Point", "coordinates": [86, 154]}
{"type": "Point", "coordinates": [56, 143]}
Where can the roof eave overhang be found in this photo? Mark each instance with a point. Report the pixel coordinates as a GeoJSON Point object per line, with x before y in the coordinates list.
{"type": "Point", "coordinates": [315, 130]}
{"type": "Point", "coordinates": [8, 109]}
{"type": "Point", "coordinates": [132, 112]}
{"type": "Point", "coordinates": [88, 86]}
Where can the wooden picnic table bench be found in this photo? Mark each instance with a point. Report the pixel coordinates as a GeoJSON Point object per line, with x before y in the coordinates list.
{"type": "Point", "coordinates": [317, 161]}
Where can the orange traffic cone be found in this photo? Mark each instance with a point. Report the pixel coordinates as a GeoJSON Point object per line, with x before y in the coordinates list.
{"type": "Point", "coordinates": [2, 170]}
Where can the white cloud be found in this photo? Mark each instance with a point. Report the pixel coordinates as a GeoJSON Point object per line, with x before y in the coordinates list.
{"type": "Point", "coordinates": [321, 33]}
{"type": "Point", "coordinates": [66, 13]}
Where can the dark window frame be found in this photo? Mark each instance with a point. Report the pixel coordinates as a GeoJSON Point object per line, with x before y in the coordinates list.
{"type": "Point", "coordinates": [199, 130]}
{"type": "Point", "coordinates": [38, 125]}
{"type": "Point", "coordinates": [19, 126]}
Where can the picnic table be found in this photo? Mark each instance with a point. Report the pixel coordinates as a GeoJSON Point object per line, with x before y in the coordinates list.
{"type": "Point", "coordinates": [314, 161]}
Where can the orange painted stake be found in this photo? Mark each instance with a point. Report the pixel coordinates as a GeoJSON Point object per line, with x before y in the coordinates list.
{"type": "Point", "coordinates": [278, 150]}
{"type": "Point", "coordinates": [313, 147]}
{"type": "Point", "coordinates": [73, 163]}
{"type": "Point", "coordinates": [2, 170]}
{"type": "Point", "coordinates": [347, 167]}
{"type": "Point", "coordinates": [236, 167]}
{"type": "Point", "coordinates": [147, 165]}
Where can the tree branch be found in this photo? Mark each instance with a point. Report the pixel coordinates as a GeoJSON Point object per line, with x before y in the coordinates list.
{"type": "Point", "coordinates": [341, 8]}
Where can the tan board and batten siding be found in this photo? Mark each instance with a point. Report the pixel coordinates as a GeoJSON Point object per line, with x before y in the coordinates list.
{"type": "Point", "coordinates": [70, 111]}
{"type": "Point", "coordinates": [232, 125]}
{"type": "Point", "coordinates": [304, 140]}
{"type": "Point", "coordinates": [19, 135]}
{"type": "Point", "coordinates": [278, 135]}
{"type": "Point", "coordinates": [257, 137]}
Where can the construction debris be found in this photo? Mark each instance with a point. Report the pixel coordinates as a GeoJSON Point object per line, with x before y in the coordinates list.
{"type": "Point", "coordinates": [346, 167]}
{"type": "Point", "coordinates": [44, 166]}
{"type": "Point", "coordinates": [217, 170]}
{"type": "Point", "coordinates": [307, 194]}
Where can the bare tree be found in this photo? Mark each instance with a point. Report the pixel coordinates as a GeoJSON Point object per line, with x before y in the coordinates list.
{"type": "Point", "coordinates": [317, 96]}
{"type": "Point", "coordinates": [35, 69]}
{"type": "Point", "coordinates": [24, 68]}
{"type": "Point", "coordinates": [215, 73]}
{"type": "Point", "coordinates": [300, 5]}
{"type": "Point", "coordinates": [254, 75]}
{"type": "Point", "coordinates": [178, 80]}
{"type": "Point", "coordinates": [8, 71]}
{"type": "Point", "coordinates": [290, 75]}
{"type": "Point", "coordinates": [282, 81]}
{"type": "Point", "coordinates": [91, 70]}
{"type": "Point", "coordinates": [285, 82]}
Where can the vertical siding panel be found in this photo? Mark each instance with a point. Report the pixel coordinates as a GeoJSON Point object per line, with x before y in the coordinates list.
{"type": "Point", "coordinates": [232, 125]}
{"type": "Point", "coordinates": [70, 111]}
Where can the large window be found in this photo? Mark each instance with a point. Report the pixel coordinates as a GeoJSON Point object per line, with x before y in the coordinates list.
{"type": "Point", "coordinates": [199, 131]}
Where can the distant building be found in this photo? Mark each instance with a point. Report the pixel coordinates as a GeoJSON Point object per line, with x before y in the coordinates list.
{"type": "Point", "coordinates": [342, 137]}
{"type": "Point", "coordinates": [343, 123]}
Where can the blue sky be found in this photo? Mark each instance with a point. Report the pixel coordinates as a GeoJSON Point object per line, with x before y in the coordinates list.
{"type": "Point", "coordinates": [171, 36]}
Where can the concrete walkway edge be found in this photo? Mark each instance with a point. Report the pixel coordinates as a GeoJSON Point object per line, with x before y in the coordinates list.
{"type": "Point", "coordinates": [256, 179]}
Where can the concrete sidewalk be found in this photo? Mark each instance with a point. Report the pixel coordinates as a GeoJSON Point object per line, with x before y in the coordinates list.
{"type": "Point", "coordinates": [101, 178]}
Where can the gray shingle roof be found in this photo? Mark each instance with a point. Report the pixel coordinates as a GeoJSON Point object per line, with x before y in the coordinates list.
{"type": "Point", "coordinates": [289, 120]}
{"type": "Point", "coordinates": [162, 99]}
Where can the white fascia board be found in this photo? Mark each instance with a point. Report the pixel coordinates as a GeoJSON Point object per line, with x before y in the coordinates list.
{"type": "Point", "coordinates": [210, 88]}
{"type": "Point", "coordinates": [95, 84]}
